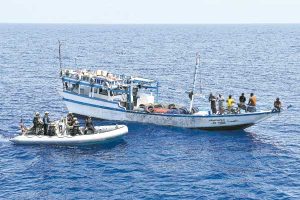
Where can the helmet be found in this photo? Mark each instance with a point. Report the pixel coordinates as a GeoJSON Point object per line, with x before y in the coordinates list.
{"type": "Point", "coordinates": [37, 113]}
{"type": "Point", "coordinates": [46, 112]}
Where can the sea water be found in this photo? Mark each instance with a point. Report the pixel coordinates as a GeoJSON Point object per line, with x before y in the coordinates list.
{"type": "Point", "coordinates": [154, 162]}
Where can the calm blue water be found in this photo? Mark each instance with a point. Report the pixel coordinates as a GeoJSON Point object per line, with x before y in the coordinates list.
{"type": "Point", "coordinates": [153, 162]}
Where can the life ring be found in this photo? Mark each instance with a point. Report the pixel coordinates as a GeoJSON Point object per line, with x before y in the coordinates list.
{"type": "Point", "coordinates": [142, 106]}
{"type": "Point", "coordinates": [149, 109]}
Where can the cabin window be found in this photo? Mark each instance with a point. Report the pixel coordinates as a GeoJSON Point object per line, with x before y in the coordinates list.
{"type": "Point", "coordinates": [103, 92]}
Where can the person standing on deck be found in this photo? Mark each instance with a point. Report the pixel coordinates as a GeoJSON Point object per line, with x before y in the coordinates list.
{"type": "Point", "coordinates": [36, 123]}
{"type": "Point", "coordinates": [89, 125]}
{"type": "Point", "coordinates": [213, 105]}
{"type": "Point", "coordinates": [230, 102]}
{"type": "Point", "coordinates": [220, 100]}
{"type": "Point", "coordinates": [46, 122]}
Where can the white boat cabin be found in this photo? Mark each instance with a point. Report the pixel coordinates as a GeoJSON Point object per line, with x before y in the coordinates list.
{"type": "Point", "coordinates": [130, 92]}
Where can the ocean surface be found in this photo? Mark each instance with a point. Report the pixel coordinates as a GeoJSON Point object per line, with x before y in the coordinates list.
{"type": "Point", "coordinates": [154, 162]}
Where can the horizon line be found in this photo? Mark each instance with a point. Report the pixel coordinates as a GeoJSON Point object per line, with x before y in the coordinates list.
{"type": "Point", "coordinates": [80, 23]}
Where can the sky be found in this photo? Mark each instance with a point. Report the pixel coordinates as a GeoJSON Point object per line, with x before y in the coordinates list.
{"type": "Point", "coordinates": [150, 11]}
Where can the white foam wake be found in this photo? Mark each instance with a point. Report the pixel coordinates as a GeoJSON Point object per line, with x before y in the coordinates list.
{"type": "Point", "coordinates": [3, 139]}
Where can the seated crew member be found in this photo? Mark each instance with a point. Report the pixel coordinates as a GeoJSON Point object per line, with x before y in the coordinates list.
{"type": "Point", "coordinates": [46, 122]}
{"type": "Point", "coordinates": [277, 104]}
{"type": "Point", "coordinates": [230, 103]}
{"type": "Point", "coordinates": [89, 125]}
{"type": "Point", "coordinates": [252, 103]}
{"type": "Point", "coordinates": [242, 103]}
{"type": "Point", "coordinates": [75, 129]}
{"type": "Point", "coordinates": [70, 119]}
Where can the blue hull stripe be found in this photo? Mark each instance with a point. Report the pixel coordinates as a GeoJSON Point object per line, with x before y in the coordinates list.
{"type": "Point", "coordinates": [169, 115]}
{"type": "Point", "coordinates": [97, 99]}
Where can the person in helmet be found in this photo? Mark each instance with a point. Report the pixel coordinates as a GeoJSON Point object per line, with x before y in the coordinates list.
{"type": "Point", "coordinates": [89, 125]}
{"type": "Point", "coordinates": [70, 119]}
{"type": "Point", "coordinates": [75, 127]}
{"type": "Point", "coordinates": [46, 122]}
{"type": "Point", "coordinates": [36, 123]}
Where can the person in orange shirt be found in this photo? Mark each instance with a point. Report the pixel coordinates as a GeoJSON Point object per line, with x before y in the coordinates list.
{"type": "Point", "coordinates": [252, 103]}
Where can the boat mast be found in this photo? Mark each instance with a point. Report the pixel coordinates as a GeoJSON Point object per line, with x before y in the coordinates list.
{"type": "Point", "coordinates": [194, 81]}
{"type": "Point", "coordinates": [59, 55]}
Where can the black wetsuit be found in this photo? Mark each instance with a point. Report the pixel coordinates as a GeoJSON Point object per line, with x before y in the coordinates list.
{"type": "Point", "coordinates": [89, 126]}
{"type": "Point", "coordinates": [36, 123]}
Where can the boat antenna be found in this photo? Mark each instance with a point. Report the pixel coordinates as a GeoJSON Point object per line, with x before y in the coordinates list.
{"type": "Point", "coordinates": [59, 54]}
{"type": "Point", "coordinates": [75, 62]}
{"type": "Point", "coordinates": [191, 94]}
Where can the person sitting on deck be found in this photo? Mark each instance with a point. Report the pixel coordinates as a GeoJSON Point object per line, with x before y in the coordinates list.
{"type": "Point", "coordinates": [252, 103]}
{"type": "Point", "coordinates": [89, 125]}
{"type": "Point", "coordinates": [37, 123]}
{"type": "Point", "coordinates": [230, 103]}
{"type": "Point", "coordinates": [277, 105]}
{"type": "Point", "coordinates": [75, 128]}
{"type": "Point", "coordinates": [242, 103]}
{"type": "Point", "coordinates": [70, 119]}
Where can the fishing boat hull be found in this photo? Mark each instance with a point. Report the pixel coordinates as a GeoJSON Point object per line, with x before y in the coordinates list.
{"type": "Point", "coordinates": [110, 110]}
{"type": "Point", "coordinates": [108, 133]}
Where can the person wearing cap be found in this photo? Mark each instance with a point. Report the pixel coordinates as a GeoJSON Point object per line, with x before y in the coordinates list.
{"type": "Point", "coordinates": [36, 123]}
{"type": "Point", "coordinates": [89, 125]}
{"type": "Point", "coordinates": [277, 104]}
{"type": "Point", "coordinates": [46, 122]}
